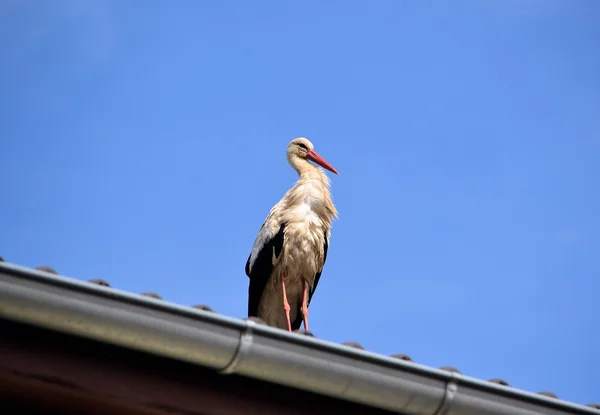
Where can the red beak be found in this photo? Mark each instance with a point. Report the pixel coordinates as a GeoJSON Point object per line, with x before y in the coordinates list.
{"type": "Point", "coordinates": [312, 155]}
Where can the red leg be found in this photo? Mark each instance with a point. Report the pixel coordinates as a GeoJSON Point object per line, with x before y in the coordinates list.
{"type": "Point", "coordinates": [286, 305]}
{"type": "Point", "coordinates": [305, 305]}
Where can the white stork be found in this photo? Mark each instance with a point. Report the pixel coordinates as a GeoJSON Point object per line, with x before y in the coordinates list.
{"type": "Point", "coordinates": [290, 250]}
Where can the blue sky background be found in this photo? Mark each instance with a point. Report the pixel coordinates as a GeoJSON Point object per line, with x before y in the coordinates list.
{"type": "Point", "coordinates": [144, 143]}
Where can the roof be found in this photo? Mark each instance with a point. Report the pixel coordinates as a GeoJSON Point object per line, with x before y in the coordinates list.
{"type": "Point", "coordinates": [49, 371]}
{"type": "Point", "coordinates": [95, 310]}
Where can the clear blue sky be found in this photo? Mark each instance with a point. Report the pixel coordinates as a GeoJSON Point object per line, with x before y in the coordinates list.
{"type": "Point", "coordinates": [144, 143]}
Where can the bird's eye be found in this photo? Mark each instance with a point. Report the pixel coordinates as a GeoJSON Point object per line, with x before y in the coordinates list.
{"type": "Point", "coordinates": [303, 146]}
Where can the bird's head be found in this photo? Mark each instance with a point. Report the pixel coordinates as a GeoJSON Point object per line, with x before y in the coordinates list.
{"type": "Point", "coordinates": [302, 148]}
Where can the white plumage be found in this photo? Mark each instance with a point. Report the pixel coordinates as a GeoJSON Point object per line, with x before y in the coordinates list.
{"type": "Point", "coordinates": [290, 250]}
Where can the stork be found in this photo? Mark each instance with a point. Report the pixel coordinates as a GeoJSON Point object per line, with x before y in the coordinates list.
{"type": "Point", "coordinates": [290, 250]}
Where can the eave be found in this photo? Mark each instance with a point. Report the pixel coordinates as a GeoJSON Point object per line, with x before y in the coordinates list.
{"type": "Point", "coordinates": [231, 346]}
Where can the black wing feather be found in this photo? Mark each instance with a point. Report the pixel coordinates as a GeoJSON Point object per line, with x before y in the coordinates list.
{"type": "Point", "coordinates": [298, 321]}
{"type": "Point", "coordinates": [261, 270]}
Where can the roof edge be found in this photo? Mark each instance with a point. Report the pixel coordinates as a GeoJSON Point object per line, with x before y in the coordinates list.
{"type": "Point", "coordinates": [233, 346]}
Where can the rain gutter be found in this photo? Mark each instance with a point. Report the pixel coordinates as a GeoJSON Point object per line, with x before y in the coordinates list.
{"type": "Point", "coordinates": [233, 346]}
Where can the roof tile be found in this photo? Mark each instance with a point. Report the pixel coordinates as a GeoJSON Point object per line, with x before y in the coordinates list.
{"type": "Point", "coordinates": [203, 307]}
{"type": "Point", "coordinates": [99, 281]}
{"type": "Point", "coordinates": [402, 356]}
{"type": "Point", "coordinates": [354, 345]}
{"type": "Point", "coordinates": [450, 369]}
{"type": "Point", "coordinates": [152, 295]}
{"type": "Point", "coordinates": [46, 268]}
{"type": "Point", "coordinates": [499, 381]}
{"type": "Point", "coordinates": [594, 405]}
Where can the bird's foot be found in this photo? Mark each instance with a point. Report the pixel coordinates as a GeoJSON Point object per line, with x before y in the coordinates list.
{"type": "Point", "coordinates": [305, 317]}
{"type": "Point", "coordinates": [286, 305]}
{"type": "Point", "coordinates": [304, 307]}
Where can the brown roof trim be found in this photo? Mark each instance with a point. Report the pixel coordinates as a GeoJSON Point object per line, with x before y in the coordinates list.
{"type": "Point", "coordinates": [55, 373]}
